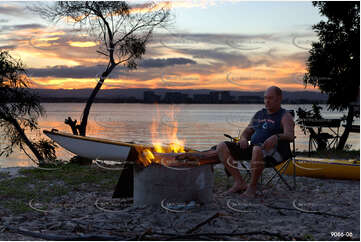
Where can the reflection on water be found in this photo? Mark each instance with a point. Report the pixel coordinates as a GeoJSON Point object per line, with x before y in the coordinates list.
{"type": "Point", "coordinates": [200, 126]}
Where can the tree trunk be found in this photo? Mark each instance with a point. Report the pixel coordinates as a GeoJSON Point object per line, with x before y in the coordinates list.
{"type": "Point", "coordinates": [346, 132]}
{"type": "Point", "coordinates": [15, 123]}
{"type": "Point", "coordinates": [82, 127]}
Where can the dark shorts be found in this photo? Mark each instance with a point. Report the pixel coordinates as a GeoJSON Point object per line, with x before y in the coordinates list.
{"type": "Point", "coordinates": [246, 154]}
{"type": "Point", "coordinates": [237, 153]}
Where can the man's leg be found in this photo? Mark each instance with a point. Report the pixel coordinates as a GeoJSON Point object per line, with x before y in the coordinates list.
{"type": "Point", "coordinates": [257, 166]}
{"type": "Point", "coordinates": [205, 156]}
{"type": "Point", "coordinates": [225, 157]}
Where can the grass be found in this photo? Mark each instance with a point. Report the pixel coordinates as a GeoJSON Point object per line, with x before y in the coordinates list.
{"type": "Point", "coordinates": [4, 175]}
{"type": "Point", "coordinates": [42, 185]}
{"type": "Point", "coordinates": [220, 179]}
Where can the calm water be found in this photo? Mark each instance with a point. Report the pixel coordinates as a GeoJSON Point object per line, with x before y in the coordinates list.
{"type": "Point", "coordinates": [200, 126]}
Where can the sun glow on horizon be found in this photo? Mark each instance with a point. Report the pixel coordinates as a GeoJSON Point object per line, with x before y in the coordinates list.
{"type": "Point", "coordinates": [84, 44]}
{"type": "Point", "coordinates": [186, 57]}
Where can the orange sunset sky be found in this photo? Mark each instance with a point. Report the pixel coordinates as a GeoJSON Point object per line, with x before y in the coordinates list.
{"type": "Point", "coordinates": [223, 45]}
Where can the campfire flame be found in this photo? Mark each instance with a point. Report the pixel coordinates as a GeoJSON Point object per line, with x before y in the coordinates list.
{"type": "Point", "coordinates": [159, 152]}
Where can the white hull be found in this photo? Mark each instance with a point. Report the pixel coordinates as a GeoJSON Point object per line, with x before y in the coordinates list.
{"type": "Point", "coordinates": [92, 148]}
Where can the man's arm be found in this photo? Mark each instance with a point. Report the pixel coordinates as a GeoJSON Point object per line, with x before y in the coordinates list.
{"type": "Point", "coordinates": [247, 132]}
{"type": "Point", "coordinates": [288, 126]}
{"type": "Point", "coordinates": [288, 134]}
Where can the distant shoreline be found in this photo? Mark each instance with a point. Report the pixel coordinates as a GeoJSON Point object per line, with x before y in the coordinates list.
{"type": "Point", "coordinates": [65, 100]}
{"type": "Point", "coordinates": [169, 96]}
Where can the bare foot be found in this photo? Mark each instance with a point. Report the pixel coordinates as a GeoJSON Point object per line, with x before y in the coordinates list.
{"type": "Point", "coordinates": [249, 193]}
{"type": "Point", "coordinates": [237, 187]}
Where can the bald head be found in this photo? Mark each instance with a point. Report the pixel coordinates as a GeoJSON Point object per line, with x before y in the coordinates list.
{"type": "Point", "coordinates": [275, 90]}
{"type": "Point", "coordinates": [273, 99]}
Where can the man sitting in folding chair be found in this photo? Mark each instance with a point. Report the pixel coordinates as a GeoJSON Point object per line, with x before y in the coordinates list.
{"type": "Point", "coordinates": [270, 131]}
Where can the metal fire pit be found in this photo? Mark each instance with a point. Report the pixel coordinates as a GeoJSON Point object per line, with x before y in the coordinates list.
{"type": "Point", "coordinates": [156, 183]}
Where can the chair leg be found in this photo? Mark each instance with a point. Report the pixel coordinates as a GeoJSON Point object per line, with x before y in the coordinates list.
{"type": "Point", "coordinates": [283, 179]}
{"type": "Point", "coordinates": [282, 169]}
{"type": "Point", "coordinates": [294, 172]}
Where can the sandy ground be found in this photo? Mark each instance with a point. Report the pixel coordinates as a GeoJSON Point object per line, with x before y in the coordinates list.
{"type": "Point", "coordinates": [319, 209]}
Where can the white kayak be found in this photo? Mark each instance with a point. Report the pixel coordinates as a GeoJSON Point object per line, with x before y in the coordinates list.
{"type": "Point", "coordinates": [104, 149]}
{"type": "Point", "coordinates": [93, 148]}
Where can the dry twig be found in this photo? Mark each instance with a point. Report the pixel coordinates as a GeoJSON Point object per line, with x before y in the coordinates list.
{"type": "Point", "coordinates": [216, 215]}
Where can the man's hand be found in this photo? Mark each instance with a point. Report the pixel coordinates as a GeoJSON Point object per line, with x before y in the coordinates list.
{"type": "Point", "coordinates": [243, 142]}
{"type": "Point", "coordinates": [270, 143]}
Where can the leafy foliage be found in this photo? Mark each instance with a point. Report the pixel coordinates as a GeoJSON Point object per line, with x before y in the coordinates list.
{"type": "Point", "coordinates": [334, 61]}
{"type": "Point", "coordinates": [303, 115]}
{"type": "Point", "coordinates": [47, 149]}
{"type": "Point", "coordinates": [19, 109]}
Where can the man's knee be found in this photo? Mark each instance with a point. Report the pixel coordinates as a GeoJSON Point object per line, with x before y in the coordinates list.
{"type": "Point", "coordinates": [257, 156]}
{"type": "Point", "coordinates": [221, 147]}
{"type": "Point", "coordinates": [257, 150]}
{"type": "Point", "coordinates": [222, 152]}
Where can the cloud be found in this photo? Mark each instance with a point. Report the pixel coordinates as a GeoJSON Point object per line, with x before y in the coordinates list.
{"type": "Point", "coordinates": [7, 47]}
{"type": "Point", "coordinates": [12, 10]}
{"type": "Point", "coordinates": [217, 55]}
{"type": "Point", "coordinates": [205, 58]}
{"type": "Point", "coordinates": [96, 70]}
{"type": "Point", "coordinates": [233, 41]}
{"type": "Point", "coordinates": [67, 72]}
{"type": "Point", "coordinates": [27, 26]}
{"type": "Point", "coordinates": [22, 27]}
{"type": "Point", "coordinates": [150, 63]}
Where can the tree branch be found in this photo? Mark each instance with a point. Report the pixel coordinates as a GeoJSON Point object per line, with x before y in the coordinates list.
{"type": "Point", "coordinates": [216, 215]}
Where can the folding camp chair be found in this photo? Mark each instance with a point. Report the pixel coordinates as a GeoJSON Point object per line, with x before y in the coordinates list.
{"type": "Point", "coordinates": [283, 167]}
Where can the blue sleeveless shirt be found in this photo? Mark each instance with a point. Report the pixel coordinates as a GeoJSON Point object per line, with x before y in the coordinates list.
{"type": "Point", "coordinates": [265, 125]}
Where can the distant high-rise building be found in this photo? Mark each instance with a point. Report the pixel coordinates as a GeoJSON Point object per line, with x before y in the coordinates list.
{"type": "Point", "coordinates": [151, 97]}
{"type": "Point", "coordinates": [214, 96]}
{"type": "Point", "coordinates": [175, 97]}
{"type": "Point", "coordinates": [202, 98]}
{"type": "Point", "coordinates": [226, 97]}
{"type": "Point", "coordinates": [250, 99]}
